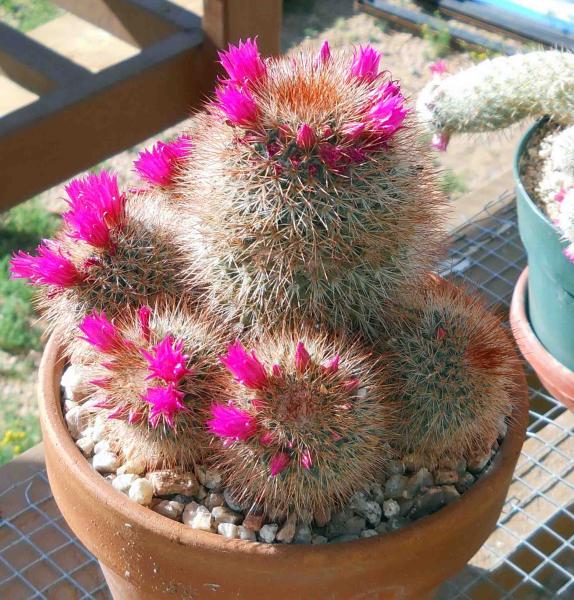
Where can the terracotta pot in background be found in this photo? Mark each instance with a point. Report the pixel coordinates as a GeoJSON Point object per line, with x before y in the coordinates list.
{"type": "Point", "coordinates": [556, 378]}
{"type": "Point", "coordinates": [145, 556]}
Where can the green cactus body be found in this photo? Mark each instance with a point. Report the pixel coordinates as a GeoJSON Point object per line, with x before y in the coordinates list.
{"type": "Point", "coordinates": [454, 366]}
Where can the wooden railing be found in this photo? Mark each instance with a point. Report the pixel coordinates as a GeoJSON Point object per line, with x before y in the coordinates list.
{"type": "Point", "coordinates": [81, 118]}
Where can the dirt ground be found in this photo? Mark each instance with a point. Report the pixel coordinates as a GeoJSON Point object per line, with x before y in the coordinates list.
{"type": "Point", "coordinates": [479, 166]}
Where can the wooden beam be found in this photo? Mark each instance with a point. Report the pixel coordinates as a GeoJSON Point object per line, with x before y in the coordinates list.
{"type": "Point", "coordinates": [70, 130]}
{"type": "Point", "coordinates": [34, 66]}
{"type": "Point", "coordinates": [137, 22]}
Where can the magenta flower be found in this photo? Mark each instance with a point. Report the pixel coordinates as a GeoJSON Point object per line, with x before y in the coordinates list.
{"type": "Point", "coordinates": [438, 67]}
{"type": "Point", "coordinates": [158, 165]}
{"type": "Point", "coordinates": [167, 360]}
{"type": "Point", "coordinates": [387, 115]}
{"type": "Point", "coordinates": [279, 462]}
{"type": "Point", "coordinates": [135, 416]}
{"type": "Point", "coordinates": [440, 141]}
{"type": "Point", "coordinates": [306, 459]}
{"type": "Point", "coordinates": [302, 357]}
{"type": "Point", "coordinates": [237, 105]}
{"type": "Point", "coordinates": [166, 403]}
{"type": "Point", "coordinates": [569, 253]}
{"type": "Point", "coordinates": [331, 156]}
{"type": "Point", "coordinates": [353, 130]}
{"type": "Point", "coordinates": [50, 267]}
{"type": "Point", "coordinates": [267, 439]}
{"type": "Point", "coordinates": [365, 63]}
{"type": "Point", "coordinates": [101, 333]}
{"type": "Point", "coordinates": [144, 315]}
{"type": "Point", "coordinates": [96, 207]}
{"type": "Point", "coordinates": [277, 371]}
{"type": "Point", "coordinates": [245, 367]}
{"type": "Point", "coordinates": [560, 195]}
{"type": "Point", "coordinates": [324, 53]}
{"type": "Point", "coordinates": [243, 62]}
{"type": "Point", "coordinates": [332, 365]}
{"type": "Point", "coordinates": [231, 422]}
{"type": "Point", "coordinates": [305, 137]}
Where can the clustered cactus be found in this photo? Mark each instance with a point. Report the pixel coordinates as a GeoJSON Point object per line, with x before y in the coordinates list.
{"type": "Point", "coordinates": [264, 304]}
{"type": "Point", "coordinates": [497, 93]}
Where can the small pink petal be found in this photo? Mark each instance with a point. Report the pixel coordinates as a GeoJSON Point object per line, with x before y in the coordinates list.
{"type": "Point", "coordinates": [438, 67]}
{"type": "Point", "coordinates": [237, 105]}
{"type": "Point", "coordinates": [559, 197]}
{"type": "Point", "coordinates": [351, 384]}
{"type": "Point", "coordinates": [440, 141]}
{"type": "Point", "coordinates": [332, 365]}
{"type": "Point", "coordinates": [231, 422]}
{"type": "Point", "coordinates": [305, 137]}
{"type": "Point", "coordinates": [324, 53]}
{"type": "Point", "coordinates": [144, 315]}
{"type": "Point", "coordinates": [353, 130]}
{"type": "Point", "coordinates": [166, 403]}
{"type": "Point", "coordinates": [277, 371]}
{"type": "Point", "coordinates": [118, 413]}
{"type": "Point", "coordinates": [279, 462]}
{"type": "Point", "coordinates": [365, 63]}
{"type": "Point", "coordinates": [243, 62]}
{"type": "Point", "coordinates": [245, 367]}
{"type": "Point", "coordinates": [167, 360]}
{"type": "Point", "coordinates": [569, 253]}
{"type": "Point", "coordinates": [102, 333]}
{"type": "Point", "coordinates": [159, 164]}
{"type": "Point", "coordinates": [440, 333]}
{"type": "Point", "coordinates": [267, 439]}
{"type": "Point", "coordinates": [302, 357]}
{"type": "Point", "coordinates": [306, 459]}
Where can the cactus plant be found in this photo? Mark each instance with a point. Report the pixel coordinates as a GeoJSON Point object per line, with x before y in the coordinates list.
{"type": "Point", "coordinates": [115, 250]}
{"type": "Point", "coordinates": [454, 366]}
{"type": "Point", "coordinates": [149, 373]}
{"type": "Point", "coordinates": [305, 424]}
{"type": "Point", "coordinates": [299, 213]}
{"type": "Point", "coordinates": [309, 191]}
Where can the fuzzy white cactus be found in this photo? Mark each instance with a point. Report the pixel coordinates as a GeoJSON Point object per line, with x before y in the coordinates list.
{"type": "Point", "coordinates": [498, 93]}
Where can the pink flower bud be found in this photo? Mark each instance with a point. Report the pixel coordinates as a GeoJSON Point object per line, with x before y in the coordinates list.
{"type": "Point", "coordinates": [305, 137]}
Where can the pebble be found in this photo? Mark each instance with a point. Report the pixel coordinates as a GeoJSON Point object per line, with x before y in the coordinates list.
{"type": "Point", "coordinates": [141, 491]}
{"type": "Point", "coordinates": [68, 404]}
{"type": "Point", "coordinates": [367, 533]}
{"type": "Point", "coordinates": [77, 418]}
{"type": "Point", "coordinates": [377, 492]}
{"type": "Point", "coordinates": [337, 524]}
{"type": "Point", "coordinates": [71, 382]}
{"type": "Point", "coordinates": [102, 446]}
{"type": "Point", "coordinates": [123, 482]}
{"type": "Point", "coordinates": [170, 509]}
{"type": "Point", "coordinates": [397, 523]}
{"type": "Point", "coordinates": [169, 482]}
{"type": "Point", "coordinates": [421, 479]}
{"type": "Point", "coordinates": [477, 463]}
{"type": "Point", "coordinates": [197, 517]}
{"type": "Point", "coordinates": [303, 535]}
{"type": "Point", "coordinates": [228, 530]}
{"type": "Point", "coordinates": [318, 539]}
{"type": "Point", "coordinates": [344, 538]}
{"type": "Point", "coordinates": [428, 503]}
{"type": "Point", "coordinates": [382, 527]}
{"type": "Point", "coordinates": [369, 509]}
{"type": "Point", "coordinates": [86, 445]}
{"type": "Point", "coordinates": [213, 480]}
{"type": "Point", "coordinates": [230, 500]}
{"type": "Point", "coordinates": [445, 477]}
{"type": "Point", "coordinates": [464, 483]}
{"type": "Point", "coordinates": [137, 467]}
{"type": "Point", "coordinates": [253, 522]}
{"type": "Point", "coordinates": [201, 493]}
{"type": "Point", "coordinates": [396, 467]}
{"type": "Point", "coordinates": [412, 463]}
{"type": "Point", "coordinates": [395, 486]}
{"type": "Point", "coordinates": [247, 534]}
{"type": "Point", "coordinates": [222, 514]}
{"type": "Point", "coordinates": [268, 532]}
{"type": "Point", "coordinates": [450, 493]}
{"type": "Point", "coordinates": [287, 532]}
{"type": "Point", "coordinates": [405, 506]}
{"type": "Point", "coordinates": [391, 508]}
{"type": "Point", "coordinates": [105, 462]}
{"type": "Point", "coordinates": [214, 499]}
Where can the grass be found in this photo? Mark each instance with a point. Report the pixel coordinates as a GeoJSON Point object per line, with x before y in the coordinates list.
{"type": "Point", "coordinates": [452, 184]}
{"type": "Point", "coordinates": [439, 40]}
{"type": "Point", "coordinates": [18, 433]}
{"type": "Point", "coordinates": [26, 15]}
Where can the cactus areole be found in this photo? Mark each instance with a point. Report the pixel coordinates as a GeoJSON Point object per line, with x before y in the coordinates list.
{"type": "Point", "coordinates": [260, 313]}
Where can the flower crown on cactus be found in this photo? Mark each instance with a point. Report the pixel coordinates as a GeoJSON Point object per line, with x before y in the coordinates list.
{"type": "Point", "coordinates": [301, 214]}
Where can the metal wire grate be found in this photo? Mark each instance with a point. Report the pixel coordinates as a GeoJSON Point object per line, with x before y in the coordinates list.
{"type": "Point", "coordinates": [529, 556]}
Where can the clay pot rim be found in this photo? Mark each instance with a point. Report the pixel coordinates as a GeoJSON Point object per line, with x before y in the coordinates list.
{"type": "Point", "coordinates": [54, 427]}
{"type": "Point", "coordinates": [548, 368]}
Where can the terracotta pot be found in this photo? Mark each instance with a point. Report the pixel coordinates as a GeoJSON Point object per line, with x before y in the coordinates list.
{"type": "Point", "coordinates": [145, 556]}
{"type": "Point", "coordinates": [556, 378]}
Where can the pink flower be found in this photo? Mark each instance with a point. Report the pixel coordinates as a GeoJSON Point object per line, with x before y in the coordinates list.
{"type": "Point", "coordinates": [144, 315]}
{"type": "Point", "coordinates": [306, 459]}
{"type": "Point", "coordinates": [231, 422]}
{"type": "Point", "coordinates": [438, 67]}
{"type": "Point", "coordinates": [237, 105]}
{"type": "Point", "coordinates": [135, 416]}
{"type": "Point", "coordinates": [440, 141]}
{"type": "Point", "coordinates": [165, 402]}
{"type": "Point", "coordinates": [101, 333]}
{"type": "Point", "coordinates": [243, 62]}
{"type": "Point", "coordinates": [365, 64]}
{"type": "Point", "coordinates": [302, 357]}
{"type": "Point", "coordinates": [331, 156]}
{"type": "Point", "coordinates": [267, 439]}
{"type": "Point", "coordinates": [277, 371]}
{"type": "Point", "coordinates": [351, 384]}
{"type": "Point", "coordinates": [305, 137]}
{"type": "Point", "coordinates": [159, 165]}
{"type": "Point", "coordinates": [96, 207]}
{"type": "Point", "coordinates": [559, 197]}
{"type": "Point", "coordinates": [279, 462]}
{"type": "Point", "coordinates": [324, 53]}
{"type": "Point", "coordinates": [167, 360]}
{"type": "Point", "coordinates": [50, 267]}
{"type": "Point", "coordinates": [245, 367]}
{"type": "Point", "coordinates": [387, 115]}
{"type": "Point", "coordinates": [332, 365]}
{"type": "Point", "coordinates": [353, 130]}
{"type": "Point", "coordinates": [440, 333]}
{"type": "Point", "coordinates": [569, 253]}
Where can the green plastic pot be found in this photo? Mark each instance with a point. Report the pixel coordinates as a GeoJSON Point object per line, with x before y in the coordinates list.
{"type": "Point", "coordinates": [550, 302]}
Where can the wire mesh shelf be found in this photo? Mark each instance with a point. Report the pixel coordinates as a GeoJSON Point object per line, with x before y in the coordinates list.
{"type": "Point", "coordinates": [529, 556]}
